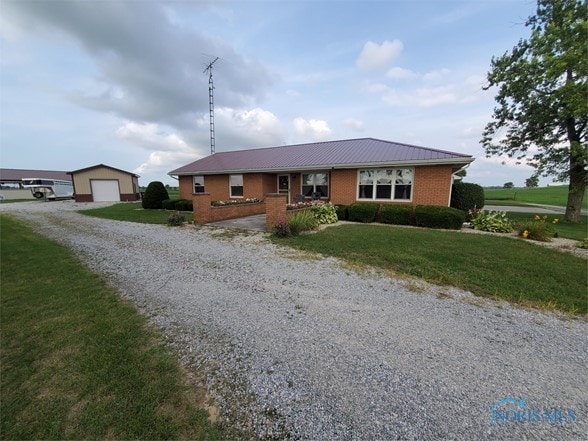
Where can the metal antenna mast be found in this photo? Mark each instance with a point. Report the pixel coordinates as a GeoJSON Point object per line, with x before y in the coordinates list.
{"type": "Point", "coordinates": [211, 103]}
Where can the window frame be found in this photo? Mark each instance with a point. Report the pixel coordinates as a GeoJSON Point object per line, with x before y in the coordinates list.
{"type": "Point", "coordinates": [194, 184]}
{"type": "Point", "coordinates": [314, 183]}
{"type": "Point", "coordinates": [391, 171]}
{"type": "Point", "coordinates": [231, 195]}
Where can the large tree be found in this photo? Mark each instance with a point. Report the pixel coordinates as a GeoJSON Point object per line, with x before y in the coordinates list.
{"type": "Point", "coordinates": [542, 98]}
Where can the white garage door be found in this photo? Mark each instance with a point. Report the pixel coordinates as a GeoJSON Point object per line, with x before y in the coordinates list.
{"type": "Point", "coordinates": [105, 191]}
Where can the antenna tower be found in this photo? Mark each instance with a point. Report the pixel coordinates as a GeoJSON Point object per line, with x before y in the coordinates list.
{"type": "Point", "coordinates": [211, 103]}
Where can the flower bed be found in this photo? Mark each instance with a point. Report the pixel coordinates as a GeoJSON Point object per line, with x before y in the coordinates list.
{"type": "Point", "coordinates": [231, 202]}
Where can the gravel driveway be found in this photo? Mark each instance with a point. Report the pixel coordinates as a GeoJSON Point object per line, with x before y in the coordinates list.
{"type": "Point", "coordinates": [303, 347]}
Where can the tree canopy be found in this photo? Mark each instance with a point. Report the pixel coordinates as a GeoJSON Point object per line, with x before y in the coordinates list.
{"type": "Point", "coordinates": [542, 98]}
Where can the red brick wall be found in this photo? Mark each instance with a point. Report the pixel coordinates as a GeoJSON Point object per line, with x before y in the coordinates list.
{"type": "Point", "coordinates": [186, 187]}
{"type": "Point", "coordinates": [275, 208]}
{"type": "Point", "coordinates": [255, 185]}
{"type": "Point", "coordinates": [343, 186]}
{"type": "Point", "coordinates": [235, 211]}
{"type": "Point", "coordinates": [432, 185]}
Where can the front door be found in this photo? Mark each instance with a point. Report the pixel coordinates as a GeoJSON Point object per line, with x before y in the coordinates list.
{"type": "Point", "coordinates": [284, 185]}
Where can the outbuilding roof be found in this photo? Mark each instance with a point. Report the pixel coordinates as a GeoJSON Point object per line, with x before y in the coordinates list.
{"type": "Point", "coordinates": [17, 174]}
{"type": "Point", "coordinates": [350, 153]}
{"type": "Point", "coordinates": [101, 166]}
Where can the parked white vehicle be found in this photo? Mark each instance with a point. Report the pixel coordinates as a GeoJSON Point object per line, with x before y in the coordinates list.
{"type": "Point", "coordinates": [49, 188]}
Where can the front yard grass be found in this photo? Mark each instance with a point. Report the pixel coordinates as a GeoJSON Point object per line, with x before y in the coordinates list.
{"type": "Point", "coordinates": [130, 212]}
{"type": "Point", "coordinates": [490, 266]}
{"type": "Point", "coordinates": [77, 362]}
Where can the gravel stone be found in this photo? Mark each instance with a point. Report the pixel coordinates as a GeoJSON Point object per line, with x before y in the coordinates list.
{"type": "Point", "coordinates": [297, 346]}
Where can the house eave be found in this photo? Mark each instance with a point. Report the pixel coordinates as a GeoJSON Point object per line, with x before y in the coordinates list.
{"type": "Point", "coordinates": [426, 162]}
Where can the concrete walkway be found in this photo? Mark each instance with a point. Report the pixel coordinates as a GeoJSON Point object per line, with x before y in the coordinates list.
{"type": "Point", "coordinates": [255, 223]}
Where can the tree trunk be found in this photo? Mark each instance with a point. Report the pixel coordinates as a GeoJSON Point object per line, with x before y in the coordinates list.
{"type": "Point", "coordinates": [577, 185]}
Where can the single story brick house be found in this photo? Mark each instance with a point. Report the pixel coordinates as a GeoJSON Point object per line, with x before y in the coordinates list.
{"type": "Point", "coordinates": [343, 172]}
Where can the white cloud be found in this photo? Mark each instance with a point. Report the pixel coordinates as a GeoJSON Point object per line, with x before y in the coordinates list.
{"type": "Point", "coordinates": [435, 96]}
{"type": "Point", "coordinates": [376, 56]}
{"type": "Point", "coordinates": [247, 128]}
{"type": "Point", "coordinates": [150, 137]}
{"type": "Point", "coordinates": [354, 124]}
{"type": "Point", "coordinates": [162, 162]}
{"type": "Point", "coordinates": [400, 73]}
{"type": "Point", "coordinates": [317, 129]}
{"type": "Point", "coordinates": [436, 74]}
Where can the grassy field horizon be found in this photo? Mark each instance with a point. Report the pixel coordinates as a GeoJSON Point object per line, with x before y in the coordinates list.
{"type": "Point", "coordinates": [554, 195]}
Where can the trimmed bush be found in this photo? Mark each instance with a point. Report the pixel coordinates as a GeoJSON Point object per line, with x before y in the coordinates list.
{"type": "Point", "coordinates": [169, 204]}
{"type": "Point", "coordinates": [396, 214]}
{"type": "Point", "coordinates": [466, 196]}
{"type": "Point", "coordinates": [184, 205]}
{"type": "Point", "coordinates": [341, 212]}
{"type": "Point", "coordinates": [154, 196]}
{"type": "Point", "coordinates": [362, 212]}
{"type": "Point", "coordinates": [432, 216]}
{"type": "Point", "coordinates": [177, 204]}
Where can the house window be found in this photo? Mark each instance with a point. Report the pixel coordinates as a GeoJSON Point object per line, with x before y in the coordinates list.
{"type": "Point", "coordinates": [315, 184]}
{"type": "Point", "coordinates": [198, 184]}
{"type": "Point", "coordinates": [385, 184]}
{"type": "Point", "coordinates": [236, 186]}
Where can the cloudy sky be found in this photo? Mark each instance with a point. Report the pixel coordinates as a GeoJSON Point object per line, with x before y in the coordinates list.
{"type": "Point", "coordinates": [123, 83]}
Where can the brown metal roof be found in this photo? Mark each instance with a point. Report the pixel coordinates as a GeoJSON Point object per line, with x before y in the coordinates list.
{"type": "Point", "coordinates": [14, 174]}
{"type": "Point", "coordinates": [103, 166]}
{"type": "Point", "coordinates": [348, 153]}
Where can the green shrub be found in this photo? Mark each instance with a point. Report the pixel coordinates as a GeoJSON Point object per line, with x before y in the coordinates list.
{"type": "Point", "coordinates": [466, 196]}
{"type": "Point", "coordinates": [175, 219]}
{"type": "Point", "coordinates": [282, 228]}
{"type": "Point", "coordinates": [341, 211]}
{"type": "Point", "coordinates": [494, 221]}
{"type": "Point", "coordinates": [169, 204]}
{"type": "Point", "coordinates": [537, 229]}
{"type": "Point", "coordinates": [184, 205]}
{"type": "Point", "coordinates": [583, 243]}
{"type": "Point", "coordinates": [302, 221]}
{"type": "Point", "coordinates": [432, 216]}
{"type": "Point", "coordinates": [362, 212]}
{"type": "Point", "coordinates": [396, 214]}
{"type": "Point", "coordinates": [154, 195]}
{"type": "Point", "coordinates": [324, 213]}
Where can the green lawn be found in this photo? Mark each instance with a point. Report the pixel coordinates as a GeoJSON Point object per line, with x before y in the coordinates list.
{"type": "Point", "coordinates": [556, 195]}
{"type": "Point", "coordinates": [500, 267]}
{"type": "Point", "coordinates": [77, 362]}
{"type": "Point", "coordinates": [131, 212]}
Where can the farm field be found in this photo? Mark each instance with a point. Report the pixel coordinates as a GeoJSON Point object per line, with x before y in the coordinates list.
{"type": "Point", "coordinates": [556, 195]}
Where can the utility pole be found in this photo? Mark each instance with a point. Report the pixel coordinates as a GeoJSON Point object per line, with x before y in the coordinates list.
{"type": "Point", "coordinates": [211, 103]}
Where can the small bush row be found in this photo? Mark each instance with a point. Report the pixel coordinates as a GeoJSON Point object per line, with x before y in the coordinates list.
{"type": "Point", "coordinates": [423, 215]}
{"type": "Point", "coordinates": [177, 204]}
